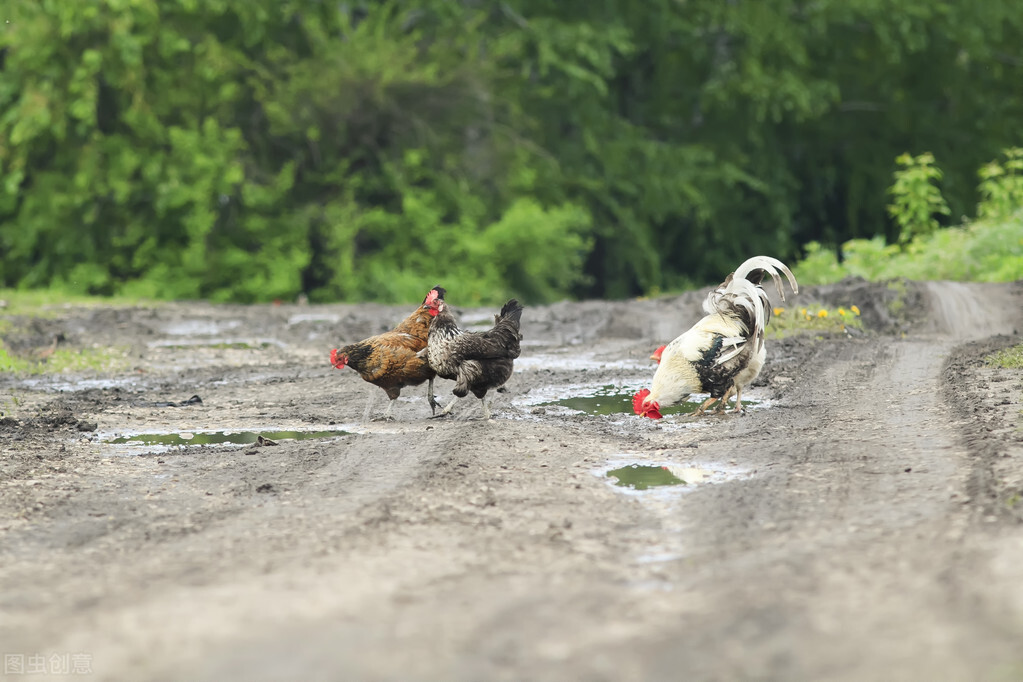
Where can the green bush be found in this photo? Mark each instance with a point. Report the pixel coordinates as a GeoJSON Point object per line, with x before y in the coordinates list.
{"type": "Point", "coordinates": [989, 249]}
{"type": "Point", "coordinates": [916, 197]}
{"type": "Point", "coordinates": [983, 251]}
{"type": "Point", "coordinates": [1001, 186]}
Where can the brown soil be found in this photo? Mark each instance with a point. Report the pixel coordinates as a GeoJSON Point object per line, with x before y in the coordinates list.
{"type": "Point", "coordinates": [865, 521]}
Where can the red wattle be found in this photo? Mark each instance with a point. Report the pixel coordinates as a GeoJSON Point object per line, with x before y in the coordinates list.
{"type": "Point", "coordinates": [338, 363]}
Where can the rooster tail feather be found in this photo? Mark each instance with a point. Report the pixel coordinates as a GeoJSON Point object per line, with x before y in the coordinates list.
{"type": "Point", "coordinates": [753, 270]}
{"type": "Point", "coordinates": [741, 296]}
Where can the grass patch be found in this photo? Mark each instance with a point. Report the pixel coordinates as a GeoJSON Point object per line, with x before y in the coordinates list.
{"type": "Point", "coordinates": [48, 302]}
{"type": "Point", "coordinates": [1007, 358]}
{"type": "Point", "coordinates": [818, 320]}
{"type": "Point", "coordinates": [65, 360]}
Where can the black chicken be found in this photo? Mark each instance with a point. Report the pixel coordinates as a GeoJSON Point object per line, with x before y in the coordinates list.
{"type": "Point", "coordinates": [476, 361]}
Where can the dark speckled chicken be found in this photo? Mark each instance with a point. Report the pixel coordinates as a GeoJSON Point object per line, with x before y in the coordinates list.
{"type": "Point", "coordinates": [476, 361]}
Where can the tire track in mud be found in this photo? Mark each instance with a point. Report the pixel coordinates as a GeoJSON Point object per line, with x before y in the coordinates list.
{"type": "Point", "coordinates": [460, 550]}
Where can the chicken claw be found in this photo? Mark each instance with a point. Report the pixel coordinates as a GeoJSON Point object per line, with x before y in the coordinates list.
{"type": "Point", "coordinates": [702, 408]}
{"type": "Point", "coordinates": [429, 396]}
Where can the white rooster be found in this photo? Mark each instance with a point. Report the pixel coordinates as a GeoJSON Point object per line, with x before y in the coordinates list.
{"type": "Point", "coordinates": [723, 352]}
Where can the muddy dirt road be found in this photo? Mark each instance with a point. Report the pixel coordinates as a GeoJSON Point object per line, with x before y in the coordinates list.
{"type": "Point", "coordinates": [862, 522]}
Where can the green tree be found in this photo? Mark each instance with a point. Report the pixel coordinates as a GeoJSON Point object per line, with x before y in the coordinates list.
{"type": "Point", "coordinates": [252, 149]}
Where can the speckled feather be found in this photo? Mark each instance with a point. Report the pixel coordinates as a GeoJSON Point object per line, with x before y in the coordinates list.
{"type": "Point", "coordinates": [476, 361]}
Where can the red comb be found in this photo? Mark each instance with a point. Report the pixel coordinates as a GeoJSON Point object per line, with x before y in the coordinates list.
{"type": "Point", "coordinates": [430, 297]}
{"type": "Point", "coordinates": [651, 410]}
{"type": "Point", "coordinates": [657, 353]}
{"type": "Point", "coordinates": [339, 364]}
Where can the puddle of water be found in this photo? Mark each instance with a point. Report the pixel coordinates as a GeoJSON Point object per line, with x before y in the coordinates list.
{"type": "Point", "coordinates": [612, 399]}
{"type": "Point", "coordinates": [635, 474]}
{"type": "Point", "coordinates": [220, 437]}
{"type": "Point", "coordinates": [643, 476]}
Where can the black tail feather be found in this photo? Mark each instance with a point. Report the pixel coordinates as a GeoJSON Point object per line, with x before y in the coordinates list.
{"type": "Point", "coordinates": [512, 311]}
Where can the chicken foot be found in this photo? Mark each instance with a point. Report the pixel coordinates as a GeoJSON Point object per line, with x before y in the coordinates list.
{"type": "Point", "coordinates": [737, 392]}
{"type": "Point", "coordinates": [704, 406]}
{"type": "Point", "coordinates": [447, 410]}
{"type": "Point", "coordinates": [386, 416]}
{"type": "Point", "coordinates": [487, 414]}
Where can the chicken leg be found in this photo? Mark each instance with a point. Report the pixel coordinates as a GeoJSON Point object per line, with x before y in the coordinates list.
{"type": "Point", "coordinates": [447, 410]}
{"type": "Point", "coordinates": [738, 401]}
{"type": "Point", "coordinates": [486, 409]}
{"type": "Point", "coordinates": [704, 406]}
{"type": "Point", "coordinates": [724, 400]}
{"type": "Point", "coordinates": [386, 416]}
{"type": "Point", "coordinates": [430, 396]}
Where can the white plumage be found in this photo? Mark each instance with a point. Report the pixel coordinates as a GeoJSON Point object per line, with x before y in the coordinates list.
{"type": "Point", "coordinates": [724, 351]}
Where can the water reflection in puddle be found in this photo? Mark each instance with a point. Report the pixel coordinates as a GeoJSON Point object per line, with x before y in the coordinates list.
{"type": "Point", "coordinates": [646, 477]}
{"type": "Point", "coordinates": [611, 399]}
{"type": "Point", "coordinates": [643, 476]}
{"type": "Point", "coordinates": [220, 437]}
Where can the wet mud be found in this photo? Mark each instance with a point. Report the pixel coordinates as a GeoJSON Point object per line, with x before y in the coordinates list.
{"type": "Point", "coordinates": [861, 521]}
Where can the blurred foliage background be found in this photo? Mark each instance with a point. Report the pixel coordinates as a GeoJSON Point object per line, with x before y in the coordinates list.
{"type": "Point", "coordinates": [251, 150]}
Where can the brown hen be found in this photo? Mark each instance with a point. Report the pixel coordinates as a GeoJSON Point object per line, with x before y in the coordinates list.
{"type": "Point", "coordinates": [389, 360]}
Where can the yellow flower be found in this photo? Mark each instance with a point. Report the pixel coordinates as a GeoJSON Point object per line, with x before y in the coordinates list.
{"type": "Point", "coordinates": [802, 311]}
{"type": "Point", "coordinates": [855, 310]}
{"type": "Point", "coordinates": [841, 311]}
{"type": "Point", "coordinates": [822, 313]}
{"type": "Point", "coordinates": [779, 311]}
